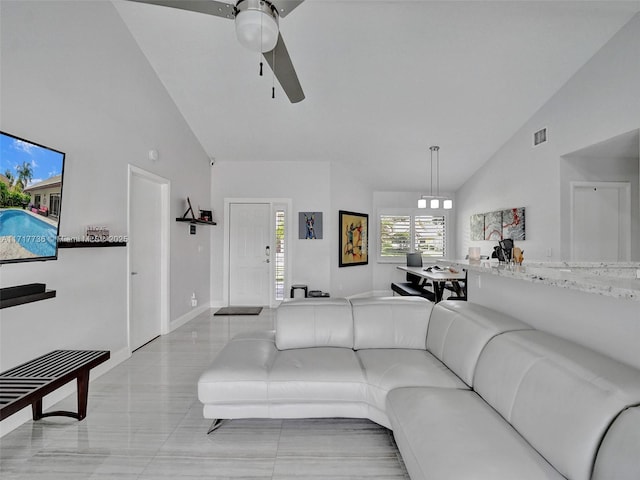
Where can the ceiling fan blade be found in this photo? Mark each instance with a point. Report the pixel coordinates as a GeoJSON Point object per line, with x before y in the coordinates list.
{"type": "Point", "coordinates": [284, 71]}
{"type": "Point", "coordinates": [285, 7]}
{"type": "Point", "coordinates": [210, 7]}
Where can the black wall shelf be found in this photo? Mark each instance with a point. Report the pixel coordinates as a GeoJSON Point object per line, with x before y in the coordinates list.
{"type": "Point", "coordinates": [86, 244]}
{"type": "Point", "coordinates": [195, 221]}
{"type": "Point", "coordinates": [34, 297]}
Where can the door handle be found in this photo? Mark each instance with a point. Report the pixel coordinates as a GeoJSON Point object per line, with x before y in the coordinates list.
{"type": "Point", "coordinates": [267, 250]}
{"type": "Point", "coordinates": [134, 273]}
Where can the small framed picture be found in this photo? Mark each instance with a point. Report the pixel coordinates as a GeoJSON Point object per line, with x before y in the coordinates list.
{"type": "Point", "coordinates": [310, 225]}
{"type": "Point", "coordinates": [354, 238]}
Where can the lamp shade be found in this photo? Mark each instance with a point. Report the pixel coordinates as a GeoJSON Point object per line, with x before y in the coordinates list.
{"type": "Point", "coordinates": [435, 203]}
{"type": "Point", "coordinates": [447, 204]}
{"type": "Point", "coordinates": [257, 30]}
{"type": "Point", "coordinates": [422, 203]}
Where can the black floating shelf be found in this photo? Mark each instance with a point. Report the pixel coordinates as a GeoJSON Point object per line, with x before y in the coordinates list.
{"type": "Point", "coordinates": [83, 244]}
{"type": "Point", "coordinates": [195, 221]}
{"type": "Point", "coordinates": [34, 297]}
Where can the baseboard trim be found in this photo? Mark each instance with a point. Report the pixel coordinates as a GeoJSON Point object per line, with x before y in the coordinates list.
{"type": "Point", "coordinates": [187, 317]}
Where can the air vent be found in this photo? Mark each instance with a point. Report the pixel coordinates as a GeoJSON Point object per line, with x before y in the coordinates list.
{"type": "Point", "coordinates": [540, 137]}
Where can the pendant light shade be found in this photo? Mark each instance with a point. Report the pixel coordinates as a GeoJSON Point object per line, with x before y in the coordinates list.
{"type": "Point", "coordinates": [434, 199]}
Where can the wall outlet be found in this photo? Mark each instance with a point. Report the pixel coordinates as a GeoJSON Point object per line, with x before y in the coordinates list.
{"type": "Point", "coordinates": [638, 274]}
{"type": "Point", "coordinates": [549, 252]}
{"type": "Point", "coordinates": [194, 300]}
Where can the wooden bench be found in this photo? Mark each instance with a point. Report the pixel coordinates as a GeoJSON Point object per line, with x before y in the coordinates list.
{"type": "Point", "coordinates": [28, 383]}
{"type": "Point", "coordinates": [415, 287]}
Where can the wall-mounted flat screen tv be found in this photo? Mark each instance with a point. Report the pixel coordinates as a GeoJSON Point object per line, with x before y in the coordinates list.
{"type": "Point", "coordinates": [31, 178]}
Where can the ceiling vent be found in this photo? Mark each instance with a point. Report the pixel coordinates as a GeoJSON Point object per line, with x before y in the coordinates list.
{"type": "Point", "coordinates": [540, 137]}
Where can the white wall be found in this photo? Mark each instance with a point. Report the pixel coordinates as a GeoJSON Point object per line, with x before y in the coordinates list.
{"type": "Point", "coordinates": [311, 186]}
{"type": "Point", "coordinates": [306, 184]}
{"type": "Point", "coordinates": [74, 79]}
{"type": "Point", "coordinates": [348, 193]}
{"type": "Point", "coordinates": [601, 101]}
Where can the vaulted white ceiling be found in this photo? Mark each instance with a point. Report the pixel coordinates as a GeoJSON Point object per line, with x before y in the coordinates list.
{"type": "Point", "coordinates": [383, 80]}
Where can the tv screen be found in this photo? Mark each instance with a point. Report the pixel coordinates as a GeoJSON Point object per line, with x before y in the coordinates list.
{"type": "Point", "coordinates": [31, 178]}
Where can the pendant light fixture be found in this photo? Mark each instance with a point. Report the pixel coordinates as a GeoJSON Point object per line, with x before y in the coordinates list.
{"type": "Point", "coordinates": [434, 200]}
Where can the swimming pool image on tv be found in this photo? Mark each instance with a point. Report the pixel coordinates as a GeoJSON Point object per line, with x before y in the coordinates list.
{"type": "Point", "coordinates": [33, 234]}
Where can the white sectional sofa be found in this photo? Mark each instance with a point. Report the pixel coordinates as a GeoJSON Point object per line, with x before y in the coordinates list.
{"type": "Point", "coordinates": [468, 392]}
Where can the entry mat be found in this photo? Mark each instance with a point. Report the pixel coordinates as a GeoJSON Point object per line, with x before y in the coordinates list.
{"type": "Point", "coordinates": [239, 311]}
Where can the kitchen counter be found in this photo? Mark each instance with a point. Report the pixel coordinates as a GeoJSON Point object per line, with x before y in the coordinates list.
{"type": "Point", "coordinates": [609, 279]}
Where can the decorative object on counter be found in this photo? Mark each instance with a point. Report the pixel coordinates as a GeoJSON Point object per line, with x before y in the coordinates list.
{"type": "Point", "coordinates": [310, 225]}
{"type": "Point", "coordinates": [518, 255]}
{"type": "Point", "coordinates": [474, 253]}
{"type": "Point", "coordinates": [434, 200]}
{"type": "Point", "coordinates": [354, 235]}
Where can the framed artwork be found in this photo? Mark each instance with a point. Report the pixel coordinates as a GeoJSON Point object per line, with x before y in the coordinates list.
{"type": "Point", "coordinates": [354, 238]}
{"type": "Point", "coordinates": [310, 225]}
{"type": "Point", "coordinates": [477, 226]}
{"type": "Point", "coordinates": [513, 224]}
{"type": "Point", "coordinates": [493, 226]}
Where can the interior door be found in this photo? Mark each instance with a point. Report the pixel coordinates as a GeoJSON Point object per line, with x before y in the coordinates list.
{"type": "Point", "coordinates": [601, 222]}
{"type": "Point", "coordinates": [250, 254]}
{"type": "Point", "coordinates": [145, 260]}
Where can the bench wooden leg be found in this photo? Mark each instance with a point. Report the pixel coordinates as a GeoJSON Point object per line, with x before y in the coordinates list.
{"type": "Point", "coordinates": [82, 381]}
{"type": "Point", "coordinates": [36, 408]}
{"type": "Point", "coordinates": [83, 393]}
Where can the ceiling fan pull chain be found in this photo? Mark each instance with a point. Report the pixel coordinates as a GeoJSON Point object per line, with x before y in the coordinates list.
{"type": "Point", "coordinates": [273, 74]}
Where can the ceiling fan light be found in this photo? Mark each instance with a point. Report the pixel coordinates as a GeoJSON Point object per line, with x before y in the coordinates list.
{"type": "Point", "coordinates": [422, 203]}
{"type": "Point", "coordinates": [257, 30]}
{"type": "Point", "coordinates": [435, 203]}
{"type": "Point", "coordinates": [447, 204]}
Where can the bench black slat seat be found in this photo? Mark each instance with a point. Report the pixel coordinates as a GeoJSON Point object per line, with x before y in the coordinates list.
{"type": "Point", "coordinates": [28, 383]}
{"type": "Point", "coordinates": [413, 288]}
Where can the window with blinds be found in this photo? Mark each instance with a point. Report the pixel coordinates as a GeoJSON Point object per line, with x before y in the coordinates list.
{"type": "Point", "coordinates": [401, 234]}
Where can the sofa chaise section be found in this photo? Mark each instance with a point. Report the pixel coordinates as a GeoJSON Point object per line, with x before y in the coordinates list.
{"type": "Point", "coordinates": [543, 408]}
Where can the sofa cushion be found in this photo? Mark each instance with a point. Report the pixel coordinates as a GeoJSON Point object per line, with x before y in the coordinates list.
{"type": "Point", "coordinates": [445, 433]}
{"type": "Point", "coordinates": [304, 323]}
{"type": "Point", "coordinates": [317, 375]}
{"type": "Point", "coordinates": [391, 368]}
{"type": "Point", "coordinates": [618, 455]}
{"type": "Point", "coordinates": [240, 372]}
{"type": "Point", "coordinates": [390, 322]}
{"type": "Point", "coordinates": [560, 396]}
{"type": "Point", "coordinates": [458, 331]}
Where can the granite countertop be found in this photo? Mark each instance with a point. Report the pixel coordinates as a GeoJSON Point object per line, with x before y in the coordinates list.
{"type": "Point", "coordinates": [610, 279]}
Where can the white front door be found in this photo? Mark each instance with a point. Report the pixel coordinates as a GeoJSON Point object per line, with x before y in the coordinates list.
{"type": "Point", "coordinates": [600, 221]}
{"type": "Point", "coordinates": [145, 261]}
{"type": "Point", "coordinates": [250, 254]}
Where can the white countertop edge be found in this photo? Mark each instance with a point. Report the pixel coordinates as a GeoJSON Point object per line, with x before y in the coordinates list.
{"type": "Point", "coordinates": [560, 274]}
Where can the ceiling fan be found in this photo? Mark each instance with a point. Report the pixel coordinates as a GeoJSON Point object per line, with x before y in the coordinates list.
{"type": "Point", "coordinates": [256, 29]}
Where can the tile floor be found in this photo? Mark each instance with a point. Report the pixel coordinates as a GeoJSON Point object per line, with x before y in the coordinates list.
{"type": "Point", "coordinates": [145, 422]}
